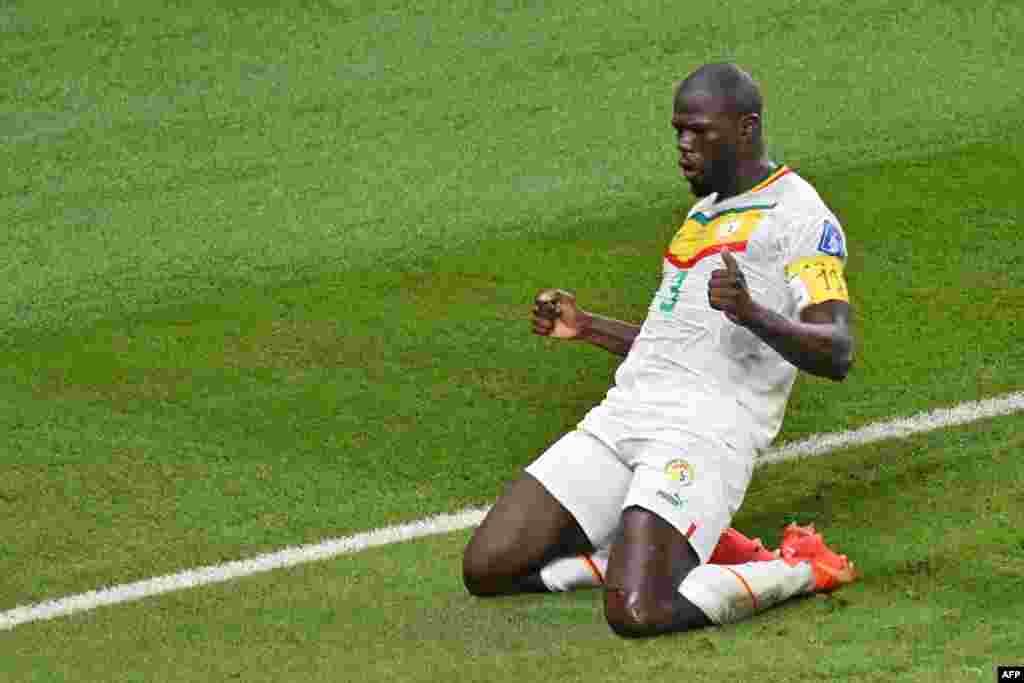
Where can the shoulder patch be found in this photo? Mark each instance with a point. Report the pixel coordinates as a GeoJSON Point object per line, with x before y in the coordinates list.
{"type": "Point", "coordinates": [831, 241]}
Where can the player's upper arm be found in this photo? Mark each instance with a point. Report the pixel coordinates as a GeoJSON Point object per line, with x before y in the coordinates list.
{"type": "Point", "coordinates": [814, 275]}
{"type": "Point", "coordinates": [814, 265]}
{"type": "Point", "coordinates": [827, 313]}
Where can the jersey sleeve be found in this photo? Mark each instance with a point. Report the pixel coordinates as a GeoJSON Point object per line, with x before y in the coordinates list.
{"type": "Point", "coordinates": [815, 262]}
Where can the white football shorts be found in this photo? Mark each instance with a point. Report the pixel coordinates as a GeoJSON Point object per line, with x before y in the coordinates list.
{"type": "Point", "coordinates": [696, 484]}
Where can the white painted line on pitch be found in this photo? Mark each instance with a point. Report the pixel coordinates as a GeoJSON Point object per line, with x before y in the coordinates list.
{"type": "Point", "coordinates": [813, 446]}
{"type": "Point", "coordinates": [218, 573]}
{"type": "Point", "coordinates": [899, 428]}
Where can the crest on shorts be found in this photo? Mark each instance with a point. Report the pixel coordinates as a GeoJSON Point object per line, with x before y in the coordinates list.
{"type": "Point", "coordinates": [680, 471]}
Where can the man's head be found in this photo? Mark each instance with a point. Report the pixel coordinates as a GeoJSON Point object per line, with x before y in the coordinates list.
{"type": "Point", "coordinates": [717, 117]}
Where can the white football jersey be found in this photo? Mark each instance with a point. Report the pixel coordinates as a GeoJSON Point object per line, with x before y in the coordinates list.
{"type": "Point", "coordinates": [691, 370]}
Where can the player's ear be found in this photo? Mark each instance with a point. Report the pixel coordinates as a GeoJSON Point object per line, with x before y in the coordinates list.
{"type": "Point", "coordinates": [750, 127]}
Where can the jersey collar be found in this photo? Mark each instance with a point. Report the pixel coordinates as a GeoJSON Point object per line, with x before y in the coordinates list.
{"type": "Point", "coordinates": [779, 172]}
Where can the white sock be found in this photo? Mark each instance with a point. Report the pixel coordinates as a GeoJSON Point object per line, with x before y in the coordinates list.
{"type": "Point", "coordinates": [581, 571]}
{"type": "Point", "coordinates": [727, 594]}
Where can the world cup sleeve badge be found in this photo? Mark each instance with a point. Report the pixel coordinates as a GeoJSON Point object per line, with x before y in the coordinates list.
{"type": "Point", "coordinates": [831, 242]}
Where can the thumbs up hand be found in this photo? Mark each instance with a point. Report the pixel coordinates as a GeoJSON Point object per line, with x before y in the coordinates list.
{"type": "Point", "coordinates": [727, 290]}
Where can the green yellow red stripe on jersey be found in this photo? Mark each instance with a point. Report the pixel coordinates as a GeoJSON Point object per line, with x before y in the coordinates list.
{"type": "Point", "coordinates": [706, 234]}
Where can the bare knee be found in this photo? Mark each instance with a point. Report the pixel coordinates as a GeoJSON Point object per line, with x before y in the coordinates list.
{"type": "Point", "coordinates": [479, 570]}
{"type": "Point", "coordinates": [526, 529]}
{"type": "Point", "coordinates": [474, 578]}
{"type": "Point", "coordinates": [636, 614]}
{"type": "Point", "coordinates": [632, 614]}
{"type": "Point", "coordinates": [495, 564]}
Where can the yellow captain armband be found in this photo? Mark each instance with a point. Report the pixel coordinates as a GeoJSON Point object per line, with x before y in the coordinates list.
{"type": "Point", "coordinates": [816, 279]}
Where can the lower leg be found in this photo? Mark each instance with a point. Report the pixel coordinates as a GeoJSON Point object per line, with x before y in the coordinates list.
{"type": "Point", "coordinates": [588, 571]}
{"type": "Point", "coordinates": [731, 593]}
{"type": "Point", "coordinates": [577, 571]}
{"type": "Point", "coordinates": [723, 594]}
{"type": "Point", "coordinates": [806, 565]}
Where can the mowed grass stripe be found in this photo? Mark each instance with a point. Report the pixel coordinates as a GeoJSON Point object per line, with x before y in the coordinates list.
{"type": "Point", "coordinates": [268, 417]}
{"type": "Point", "coordinates": [815, 446]}
{"type": "Point", "coordinates": [266, 278]}
{"type": "Point", "coordinates": [196, 195]}
{"type": "Point", "coordinates": [156, 152]}
{"type": "Point", "coordinates": [931, 521]}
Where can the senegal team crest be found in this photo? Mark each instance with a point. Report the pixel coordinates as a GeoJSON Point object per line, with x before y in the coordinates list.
{"type": "Point", "coordinates": [728, 228]}
{"type": "Point", "coordinates": [680, 471]}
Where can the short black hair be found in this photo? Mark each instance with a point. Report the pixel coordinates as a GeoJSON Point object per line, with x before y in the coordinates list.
{"type": "Point", "coordinates": [737, 89]}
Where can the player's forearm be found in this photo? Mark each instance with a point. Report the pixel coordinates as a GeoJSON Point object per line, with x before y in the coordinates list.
{"type": "Point", "coordinates": [609, 334]}
{"type": "Point", "coordinates": [823, 349]}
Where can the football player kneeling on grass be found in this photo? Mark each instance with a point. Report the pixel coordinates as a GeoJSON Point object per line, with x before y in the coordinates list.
{"type": "Point", "coordinates": [640, 496]}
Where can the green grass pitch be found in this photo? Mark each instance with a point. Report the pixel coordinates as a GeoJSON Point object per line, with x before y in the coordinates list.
{"type": "Point", "coordinates": [267, 269]}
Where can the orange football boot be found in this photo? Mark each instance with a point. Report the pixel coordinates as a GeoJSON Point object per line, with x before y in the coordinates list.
{"type": "Point", "coordinates": [804, 544]}
{"type": "Point", "coordinates": [735, 548]}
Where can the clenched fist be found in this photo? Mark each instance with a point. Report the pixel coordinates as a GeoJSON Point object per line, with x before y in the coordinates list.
{"type": "Point", "coordinates": [555, 314]}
